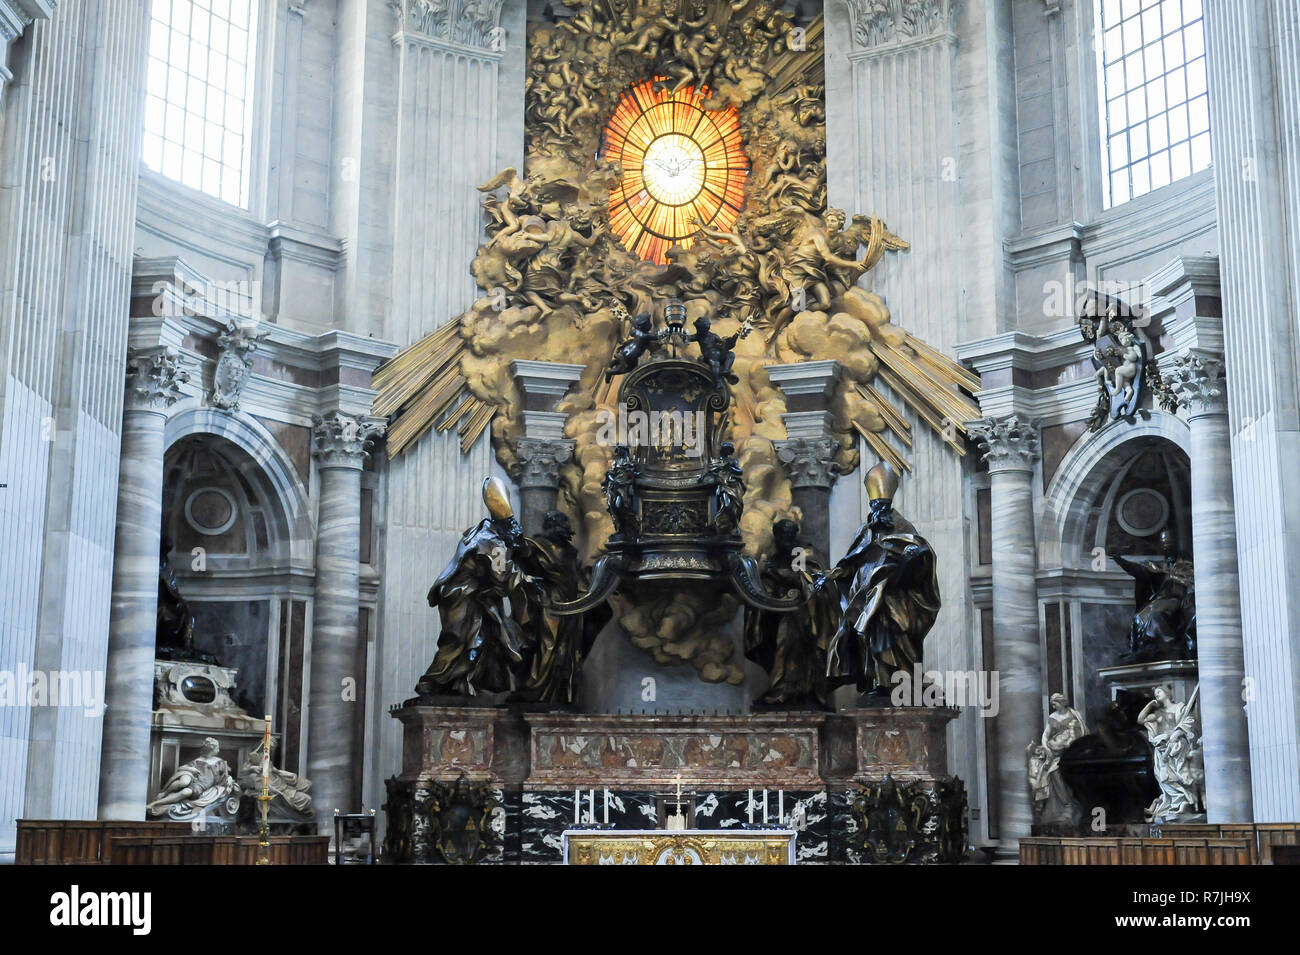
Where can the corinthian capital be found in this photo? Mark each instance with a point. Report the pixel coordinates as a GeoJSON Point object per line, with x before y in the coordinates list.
{"type": "Point", "coordinates": [1198, 381]}
{"type": "Point", "coordinates": [468, 22]}
{"type": "Point", "coordinates": [540, 460]}
{"type": "Point", "coordinates": [1009, 443]}
{"type": "Point", "coordinates": [154, 379]}
{"type": "Point", "coordinates": [342, 440]}
{"type": "Point", "coordinates": [809, 462]}
{"type": "Point", "coordinates": [886, 24]}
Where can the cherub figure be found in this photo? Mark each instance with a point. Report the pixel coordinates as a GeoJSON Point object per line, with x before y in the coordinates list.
{"type": "Point", "coordinates": [630, 351]}
{"type": "Point", "coordinates": [716, 350]}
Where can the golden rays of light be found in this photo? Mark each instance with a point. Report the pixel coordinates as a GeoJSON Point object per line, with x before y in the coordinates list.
{"type": "Point", "coordinates": [682, 165]}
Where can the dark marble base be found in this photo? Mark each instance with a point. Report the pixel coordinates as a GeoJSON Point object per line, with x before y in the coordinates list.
{"type": "Point", "coordinates": [623, 770]}
{"type": "Point", "coordinates": [547, 814]}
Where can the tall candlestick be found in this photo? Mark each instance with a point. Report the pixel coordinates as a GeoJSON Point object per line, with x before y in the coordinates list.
{"type": "Point", "coordinates": [765, 807]}
{"type": "Point", "coordinates": [780, 807]}
{"type": "Point", "coordinates": [266, 753]}
{"type": "Point", "coordinates": [577, 806]}
{"type": "Point", "coordinates": [750, 807]}
{"type": "Point", "coordinates": [605, 799]}
{"type": "Point", "coordinates": [591, 806]}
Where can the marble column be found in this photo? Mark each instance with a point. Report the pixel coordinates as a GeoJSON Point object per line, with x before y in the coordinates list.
{"type": "Point", "coordinates": [540, 460]}
{"type": "Point", "coordinates": [809, 462]}
{"type": "Point", "coordinates": [339, 443]}
{"type": "Point", "coordinates": [1199, 381]}
{"type": "Point", "coordinates": [1011, 449]}
{"type": "Point", "coordinates": [543, 448]}
{"type": "Point", "coordinates": [808, 451]}
{"type": "Point", "coordinates": [153, 385]}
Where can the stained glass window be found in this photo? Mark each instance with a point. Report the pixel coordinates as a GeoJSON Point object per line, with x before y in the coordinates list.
{"type": "Point", "coordinates": [682, 165]}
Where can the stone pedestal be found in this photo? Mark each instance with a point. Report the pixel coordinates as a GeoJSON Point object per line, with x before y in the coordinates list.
{"type": "Point", "coordinates": [906, 742]}
{"type": "Point", "coordinates": [540, 774]}
{"type": "Point", "coordinates": [458, 788]}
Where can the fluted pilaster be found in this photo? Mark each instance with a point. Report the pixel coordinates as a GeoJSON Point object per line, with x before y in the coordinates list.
{"type": "Point", "coordinates": [1201, 388]}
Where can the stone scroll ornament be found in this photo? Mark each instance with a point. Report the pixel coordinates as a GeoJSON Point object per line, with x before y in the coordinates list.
{"type": "Point", "coordinates": [1123, 359]}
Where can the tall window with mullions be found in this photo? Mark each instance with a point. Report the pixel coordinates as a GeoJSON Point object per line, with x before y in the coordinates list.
{"type": "Point", "coordinates": [1154, 102]}
{"type": "Point", "coordinates": [198, 116]}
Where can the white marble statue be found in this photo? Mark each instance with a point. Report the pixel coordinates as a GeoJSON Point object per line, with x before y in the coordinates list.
{"type": "Point", "coordinates": [198, 784]}
{"type": "Point", "coordinates": [291, 788]}
{"type": "Point", "coordinates": [1176, 755]}
{"type": "Point", "coordinates": [1053, 801]}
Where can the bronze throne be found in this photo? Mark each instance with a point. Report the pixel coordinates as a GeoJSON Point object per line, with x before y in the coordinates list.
{"type": "Point", "coordinates": [674, 488]}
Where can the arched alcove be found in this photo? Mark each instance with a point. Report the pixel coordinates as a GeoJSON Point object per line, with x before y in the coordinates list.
{"type": "Point", "coordinates": [1114, 493]}
{"type": "Point", "coordinates": [237, 513]}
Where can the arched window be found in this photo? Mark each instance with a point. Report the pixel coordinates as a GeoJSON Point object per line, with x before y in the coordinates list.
{"type": "Point", "coordinates": [1155, 108]}
{"type": "Point", "coordinates": [198, 114]}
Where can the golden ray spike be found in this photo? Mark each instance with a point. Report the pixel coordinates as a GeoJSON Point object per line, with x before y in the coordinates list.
{"type": "Point", "coordinates": [893, 420]}
{"type": "Point", "coordinates": [886, 407]}
{"type": "Point", "coordinates": [404, 385]}
{"type": "Point", "coordinates": [470, 433]}
{"type": "Point", "coordinates": [401, 435]}
{"type": "Point", "coordinates": [956, 408]}
{"type": "Point", "coordinates": [425, 411]}
{"type": "Point", "coordinates": [921, 407]}
{"type": "Point", "coordinates": [469, 404]}
{"type": "Point", "coordinates": [883, 449]}
{"type": "Point", "coordinates": [435, 401]}
{"type": "Point", "coordinates": [397, 395]}
{"type": "Point", "coordinates": [413, 355]}
{"type": "Point", "coordinates": [959, 375]}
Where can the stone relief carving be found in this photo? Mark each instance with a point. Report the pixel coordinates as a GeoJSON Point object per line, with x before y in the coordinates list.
{"type": "Point", "coordinates": [234, 366]}
{"type": "Point", "coordinates": [1198, 381]}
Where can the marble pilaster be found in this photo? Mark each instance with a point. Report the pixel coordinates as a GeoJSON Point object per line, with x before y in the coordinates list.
{"type": "Point", "coordinates": [154, 378]}
{"type": "Point", "coordinates": [339, 444]}
{"type": "Point", "coordinates": [1011, 449]}
{"type": "Point", "coordinates": [1199, 382]}
{"type": "Point", "coordinates": [1251, 62]}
